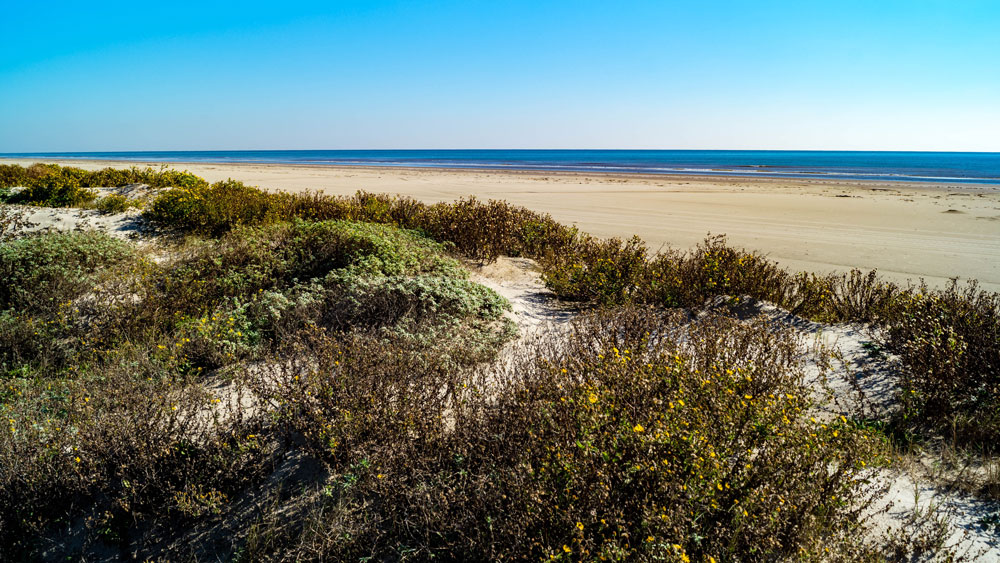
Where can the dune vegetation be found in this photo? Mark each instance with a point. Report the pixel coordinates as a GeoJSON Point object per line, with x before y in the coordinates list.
{"type": "Point", "coordinates": [270, 376]}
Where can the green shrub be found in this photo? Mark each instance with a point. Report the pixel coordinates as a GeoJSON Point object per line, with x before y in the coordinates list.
{"type": "Point", "coordinates": [36, 174]}
{"type": "Point", "coordinates": [608, 272]}
{"type": "Point", "coordinates": [113, 203]}
{"type": "Point", "coordinates": [44, 272]}
{"type": "Point", "coordinates": [12, 175]}
{"type": "Point", "coordinates": [42, 320]}
{"type": "Point", "coordinates": [486, 231]}
{"type": "Point", "coordinates": [211, 210]}
{"type": "Point", "coordinates": [337, 274]}
{"type": "Point", "coordinates": [713, 268]}
{"type": "Point", "coordinates": [949, 342]}
{"type": "Point", "coordinates": [278, 256]}
{"type": "Point", "coordinates": [112, 177]}
{"type": "Point", "coordinates": [56, 191]}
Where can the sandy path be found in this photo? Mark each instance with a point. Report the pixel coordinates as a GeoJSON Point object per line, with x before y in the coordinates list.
{"type": "Point", "coordinates": [904, 230]}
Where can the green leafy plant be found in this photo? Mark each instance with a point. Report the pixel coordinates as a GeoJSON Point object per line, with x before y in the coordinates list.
{"type": "Point", "coordinates": [113, 203]}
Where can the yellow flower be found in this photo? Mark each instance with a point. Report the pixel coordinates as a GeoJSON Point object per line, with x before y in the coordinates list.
{"type": "Point", "coordinates": [567, 549]}
{"type": "Point", "coordinates": [637, 428]}
{"type": "Point", "coordinates": [649, 538]}
{"type": "Point", "coordinates": [592, 398]}
{"type": "Point", "coordinates": [579, 526]}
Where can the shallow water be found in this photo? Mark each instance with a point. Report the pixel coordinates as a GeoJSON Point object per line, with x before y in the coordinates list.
{"type": "Point", "coordinates": [952, 167]}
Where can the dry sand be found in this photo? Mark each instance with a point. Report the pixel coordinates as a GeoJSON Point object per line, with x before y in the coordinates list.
{"type": "Point", "coordinates": [906, 231]}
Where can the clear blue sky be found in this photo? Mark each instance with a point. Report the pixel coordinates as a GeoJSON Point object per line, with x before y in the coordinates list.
{"type": "Point", "coordinates": [869, 75]}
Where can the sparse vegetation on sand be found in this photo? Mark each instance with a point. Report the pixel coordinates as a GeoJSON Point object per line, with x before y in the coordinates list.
{"type": "Point", "coordinates": [304, 377]}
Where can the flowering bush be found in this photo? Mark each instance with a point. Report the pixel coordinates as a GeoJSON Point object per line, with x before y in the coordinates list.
{"type": "Point", "coordinates": [636, 437]}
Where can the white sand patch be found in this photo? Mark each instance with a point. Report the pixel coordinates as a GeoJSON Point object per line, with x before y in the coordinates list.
{"type": "Point", "coordinates": [42, 219]}
{"type": "Point", "coordinates": [518, 280]}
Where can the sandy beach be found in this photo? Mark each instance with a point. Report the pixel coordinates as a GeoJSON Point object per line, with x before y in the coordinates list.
{"type": "Point", "coordinates": [906, 231]}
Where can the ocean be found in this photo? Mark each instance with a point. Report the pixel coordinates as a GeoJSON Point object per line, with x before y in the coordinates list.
{"type": "Point", "coordinates": [952, 167]}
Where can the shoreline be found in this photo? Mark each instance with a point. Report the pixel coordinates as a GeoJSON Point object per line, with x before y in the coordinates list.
{"type": "Point", "coordinates": [906, 230]}
{"type": "Point", "coordinates": [817, 179]}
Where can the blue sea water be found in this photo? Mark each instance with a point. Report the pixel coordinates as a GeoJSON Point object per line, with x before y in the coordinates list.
{"type": "Point", "coordinates": [951, 167]}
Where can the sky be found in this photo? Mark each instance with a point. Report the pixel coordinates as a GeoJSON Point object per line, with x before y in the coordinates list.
{"type": "Point", "coordinates": [811, 75]}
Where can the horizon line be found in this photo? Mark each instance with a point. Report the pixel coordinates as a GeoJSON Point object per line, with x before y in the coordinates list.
{"type": "Point", "coordinates": [486, 149]}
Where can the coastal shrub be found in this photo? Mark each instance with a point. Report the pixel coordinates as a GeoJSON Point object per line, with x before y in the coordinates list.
{"type": "Point", "coordinates": [52, 174]}
{"type": "Point", "coordinates": [30, 344]}
{"type": "Point", "coordinates": [45, 276]}
{"type": "Point", "coordinates": [39, 171]}
{"type": "Point", "coordinates": [860, 297]}
{"type": "Point", "coordinates": [122, 427]}
{"type": "Point", "coordinates": [485, 231]}
{"type": "Point", "coordinates": [713, 268]}
{"type": "Point", "coordinates": [84, 461]}
{"type": "Point", "coordinates": [460, 320]}
{"type": "Point", "coordinates": [163, 178]}
{"type": "Point", "coordinates": [949, 342]}
{"type": "Point", "coordinates": [211, 210]}
{"type": "Point", "coordinates": [43, 272]}
{"type": "Point", "coordinates": [249, 260]}
{"type": "Point", "coordinates": [12, 175]}
{"type": "Point", "coordinates": [62, 190]}
{"type": "Point", "coordinates": [340, 275]}
{"type": "Point", "coordinates": [113, 203]}
{"type": "Point", "coordinates": [220, 301]}
{"type": "Point", "coordinates": [480, 230]}
{"type": "Point", "coordinates": [636, 437]}
{"type": "Point", "coordinates": [605, 271]}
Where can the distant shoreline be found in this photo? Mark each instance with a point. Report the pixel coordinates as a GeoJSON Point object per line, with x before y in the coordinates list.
{"type": "Point", "coordinates": [871, 166]}
{"type": "Point", "coordinates": [969, 187]}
